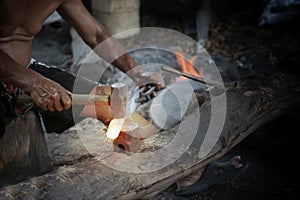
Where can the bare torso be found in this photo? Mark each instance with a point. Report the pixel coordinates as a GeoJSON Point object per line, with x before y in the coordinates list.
{"type": "Point", "coordinates": [20, 21]}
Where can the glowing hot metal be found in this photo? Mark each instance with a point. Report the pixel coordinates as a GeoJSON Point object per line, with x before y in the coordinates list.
{"type": "Point", "coordinates": [114, 128]}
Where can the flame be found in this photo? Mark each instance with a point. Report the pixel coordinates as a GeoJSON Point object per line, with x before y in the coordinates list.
{"type": "Point", "coordinates": [187, 65]}
{"type": "Point", "coordinates": [114, 128]}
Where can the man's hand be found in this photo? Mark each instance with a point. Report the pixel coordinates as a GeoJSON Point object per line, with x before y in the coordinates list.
{"type": "Point", "coordinates": [48, 94]}
{"type": "Point", "coordinates": [141, 77]}
{"type": "Point", "coordinates": [45, 93]}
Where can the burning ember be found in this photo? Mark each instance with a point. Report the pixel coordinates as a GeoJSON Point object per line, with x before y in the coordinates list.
{"type": "Point", "coordinates": [187, 65]}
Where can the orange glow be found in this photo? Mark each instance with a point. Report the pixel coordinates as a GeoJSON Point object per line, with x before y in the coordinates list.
{"type": "Point", "coordinates": [187, 65]}
{"type": "Point", "coordinates": [114, 128]}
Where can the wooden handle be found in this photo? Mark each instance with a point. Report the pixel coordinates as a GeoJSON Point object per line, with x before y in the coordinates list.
{"type": "Point", "coordinates": [77, 99]}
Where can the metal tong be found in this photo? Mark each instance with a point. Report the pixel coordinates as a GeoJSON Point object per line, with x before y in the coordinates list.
{"type": "Point", "coordinates": [147, 92]}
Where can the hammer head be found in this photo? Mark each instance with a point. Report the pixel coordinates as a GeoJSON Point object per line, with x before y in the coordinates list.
{"type": "Point", "coordinates": [103, 111]}
{"type": "Point", "coordinates": [118, 100]}
{"type": "Point", "coordinates": [118, 106]}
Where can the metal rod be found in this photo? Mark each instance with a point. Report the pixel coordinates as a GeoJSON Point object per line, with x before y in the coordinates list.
{"type": "Point", "coordinates": [190, 76]}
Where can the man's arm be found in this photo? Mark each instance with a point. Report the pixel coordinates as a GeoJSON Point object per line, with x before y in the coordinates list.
{"type": "Point", "coordinates": [111, 50]}
{"type": "Point", "coordinates": [46, 94]}
{"type": "Point", "coordinates": [93, 33]}
{"type": "Point", "coordinates": [12, 72]}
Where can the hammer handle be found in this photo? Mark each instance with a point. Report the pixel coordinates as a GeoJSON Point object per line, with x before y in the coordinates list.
{"type": "Point", "coordinates": [77, 99]}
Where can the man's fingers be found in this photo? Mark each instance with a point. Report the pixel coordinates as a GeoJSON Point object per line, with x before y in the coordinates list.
{"type": "Point", "coordinates": [66, 100]}
{"type": "Point", "coordinates": [50, 105]}
{"type": "Point", "coordinates": [40, 103]}
{"type": "Point", "coordinates": [48, 102]}
{"type": "Point", "coordinates": [57, 103]}
{"type": "Point", "coordinates": [42, 106]}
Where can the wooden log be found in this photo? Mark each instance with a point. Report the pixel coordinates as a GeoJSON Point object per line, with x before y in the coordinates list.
{"type": "Point", "coordinates": [252, 102]}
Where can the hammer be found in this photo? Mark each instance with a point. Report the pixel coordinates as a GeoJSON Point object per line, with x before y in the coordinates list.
{"type": "Point", "coordinates": [77, 99]}
{"type": "Point", "coordinates": [111, 98]}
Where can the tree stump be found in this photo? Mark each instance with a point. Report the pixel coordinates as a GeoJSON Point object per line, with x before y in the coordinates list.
{"type": "Point", "coordinates": [23, 150]}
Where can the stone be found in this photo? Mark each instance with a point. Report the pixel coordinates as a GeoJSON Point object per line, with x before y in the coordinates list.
{"type": "Point", "coordinates": [170, 105]}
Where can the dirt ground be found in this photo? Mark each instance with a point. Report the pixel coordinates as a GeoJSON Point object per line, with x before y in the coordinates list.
{"type": "Point", "coordinates": [271, 174]}
{"type": "Point", "coordinates": [272, 150]}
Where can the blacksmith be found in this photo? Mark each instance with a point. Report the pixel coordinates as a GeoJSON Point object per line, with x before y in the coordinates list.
{"type": "Point", "coordinates": [20, 21]}
{"type": "Point", "coordinates": [49, 87]}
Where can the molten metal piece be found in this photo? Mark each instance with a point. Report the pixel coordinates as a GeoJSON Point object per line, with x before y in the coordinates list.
{"type": "Point", "coordinates": [135, 129]}
{"type": "Point", "coordinates": [114, 128]}
{"type": "Point", "coordinates": [127, 140]}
